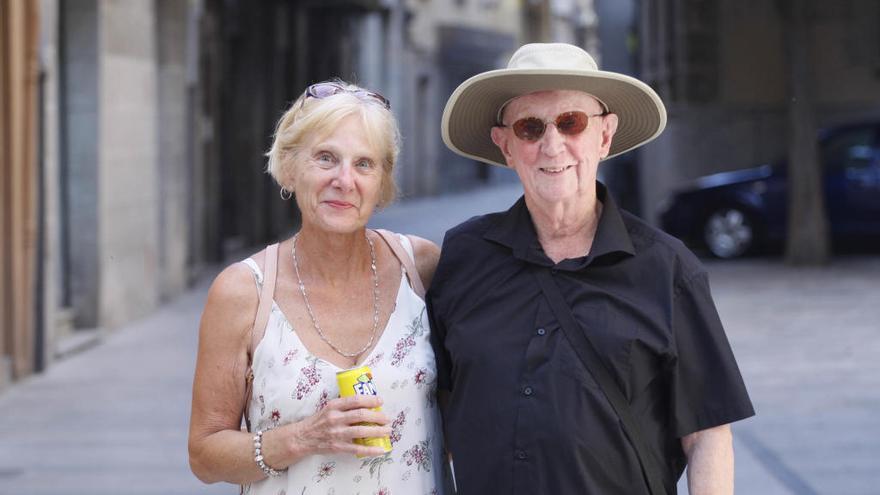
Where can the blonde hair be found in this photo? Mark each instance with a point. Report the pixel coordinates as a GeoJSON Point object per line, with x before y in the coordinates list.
{"type": "Point", "coordinates": [308, 116]}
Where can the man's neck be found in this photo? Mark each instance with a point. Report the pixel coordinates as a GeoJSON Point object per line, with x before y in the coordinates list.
{"type": "Point", "coordinates": [566, 230]}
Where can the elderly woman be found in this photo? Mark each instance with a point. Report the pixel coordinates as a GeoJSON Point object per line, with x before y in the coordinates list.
{"type": "Point", "coordinates": [342, 298]}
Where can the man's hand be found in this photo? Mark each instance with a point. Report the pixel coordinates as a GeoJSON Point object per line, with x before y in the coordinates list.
{"type": "Point", "coordinates": [710, 461]}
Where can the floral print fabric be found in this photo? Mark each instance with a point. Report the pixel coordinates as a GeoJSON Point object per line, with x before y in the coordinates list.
{"type": "Point", "coordinates": [290, 384]}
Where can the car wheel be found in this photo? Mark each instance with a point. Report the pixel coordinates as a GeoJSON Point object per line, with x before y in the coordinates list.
{"type": "Point", "coordinates": [728, 232]}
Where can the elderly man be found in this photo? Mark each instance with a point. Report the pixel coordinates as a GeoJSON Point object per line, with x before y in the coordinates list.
{"type": "Point", "coordinates": [579, 348]}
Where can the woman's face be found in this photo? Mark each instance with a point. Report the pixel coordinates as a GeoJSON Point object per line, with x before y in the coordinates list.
{"type": "Point", "coordinates": [339, 181]}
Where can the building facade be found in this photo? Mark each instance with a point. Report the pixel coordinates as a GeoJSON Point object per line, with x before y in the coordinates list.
{"type": "Point", "coordinates": [19, 176]}
{"type": "Point", "coordinates": [138, 132]}
{"type": "Point", "coordinates": [722, 68]}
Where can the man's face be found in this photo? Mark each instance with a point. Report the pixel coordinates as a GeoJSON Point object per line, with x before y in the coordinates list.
{"type": "Point", "coordinates": [556, 168]}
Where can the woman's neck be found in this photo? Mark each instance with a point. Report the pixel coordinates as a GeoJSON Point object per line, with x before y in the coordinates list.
{"type": "Point", "coordinates": [335, 258]}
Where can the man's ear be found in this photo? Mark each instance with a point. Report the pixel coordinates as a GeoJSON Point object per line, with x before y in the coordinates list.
{"type": "Point", "coordinates": [500, 138]}
{"type": "Point", "coordinates": [609, 127]}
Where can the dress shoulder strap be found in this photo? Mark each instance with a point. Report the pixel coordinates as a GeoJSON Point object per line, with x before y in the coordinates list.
{"type": "Point", "coordinates": [258, 274]}
{"type": "Point", "coordinates": [267, 296]}
{"type": "Point", "coordinates": [409, 266]}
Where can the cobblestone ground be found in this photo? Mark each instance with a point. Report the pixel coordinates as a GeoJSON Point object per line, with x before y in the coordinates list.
{"type": "Point", "coordinates": [113, 419]}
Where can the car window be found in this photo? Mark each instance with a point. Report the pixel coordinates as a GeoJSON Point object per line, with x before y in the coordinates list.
{"type": "Point", "coordinates": [850, 149]}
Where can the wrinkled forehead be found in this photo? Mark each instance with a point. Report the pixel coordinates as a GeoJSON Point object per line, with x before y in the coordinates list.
{"type": "Point", "coordinates": [550, 103]}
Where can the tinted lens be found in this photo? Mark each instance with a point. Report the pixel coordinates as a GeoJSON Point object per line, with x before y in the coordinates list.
{"type": "Point", "coordinates": [570, 123]}
{"type": "Point", "coordinates": [323, 90]}
{"type": "Point", "coordinates": [529, 129]}
{"type": "Point", "coordinates": [376, 96]}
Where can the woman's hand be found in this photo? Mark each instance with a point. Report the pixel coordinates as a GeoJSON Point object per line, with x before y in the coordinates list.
{"type": "Point", "coordinates": [333, 428]}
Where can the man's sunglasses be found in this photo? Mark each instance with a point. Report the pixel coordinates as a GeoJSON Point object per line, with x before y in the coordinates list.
{"type": "Point", "coordinates": [568, 123]}
{"type": "Point", "coordinates": [327, 89]}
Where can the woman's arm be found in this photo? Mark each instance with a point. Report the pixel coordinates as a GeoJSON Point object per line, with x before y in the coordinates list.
{"type": "Point", "coordinates": [218, 449]}
{"type": "Point", "coordinates": [427, 254]}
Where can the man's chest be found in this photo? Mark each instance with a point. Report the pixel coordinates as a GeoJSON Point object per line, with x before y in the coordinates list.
{"type": "Point", "coordinates": [507, 328]}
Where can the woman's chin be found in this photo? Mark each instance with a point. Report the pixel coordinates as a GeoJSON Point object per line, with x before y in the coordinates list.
{"type": "Point", "coordinates": [340, 225]}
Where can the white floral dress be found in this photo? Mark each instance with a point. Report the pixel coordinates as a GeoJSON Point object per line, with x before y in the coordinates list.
{"type": "Point", "coordinates": [291, 384]}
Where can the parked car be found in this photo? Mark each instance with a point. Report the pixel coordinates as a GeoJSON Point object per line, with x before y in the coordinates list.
{"type": "Point", "coordinates": [734, 213]}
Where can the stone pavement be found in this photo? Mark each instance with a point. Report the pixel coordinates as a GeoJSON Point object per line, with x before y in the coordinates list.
{"type": "Point", "coordinates": [113, 419]}
{"type": "Point", "coordinates": [110, 420]}
{"type": "Point", "coordinates": [808, 342]}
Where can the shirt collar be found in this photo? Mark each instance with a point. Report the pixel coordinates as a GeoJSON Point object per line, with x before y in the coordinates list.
{"type": "Point", "coordinates": [515, 230]}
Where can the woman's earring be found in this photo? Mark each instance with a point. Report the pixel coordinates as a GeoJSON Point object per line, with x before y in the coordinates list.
{"type": "Point", "coordinates": [285, 194]}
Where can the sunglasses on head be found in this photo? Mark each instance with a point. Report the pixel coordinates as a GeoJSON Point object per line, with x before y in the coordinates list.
{"type": "Point", "coordinates": [327, 89]}
{"type": "Point", "coordinates": [568, 124]}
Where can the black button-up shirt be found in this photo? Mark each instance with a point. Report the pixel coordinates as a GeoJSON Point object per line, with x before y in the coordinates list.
{"type": "Point", "coordinates": [524, 414]}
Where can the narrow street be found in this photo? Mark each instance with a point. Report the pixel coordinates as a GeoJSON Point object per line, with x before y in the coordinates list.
{"type": "Point", "coordinates": [113, 419]}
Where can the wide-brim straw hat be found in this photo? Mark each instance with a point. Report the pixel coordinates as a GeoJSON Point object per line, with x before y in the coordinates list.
{"type": "Point", "coordinates": [472, 109]}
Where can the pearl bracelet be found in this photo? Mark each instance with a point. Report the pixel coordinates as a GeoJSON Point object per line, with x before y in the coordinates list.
{"type": "Point", "coordinates": [258, 456]}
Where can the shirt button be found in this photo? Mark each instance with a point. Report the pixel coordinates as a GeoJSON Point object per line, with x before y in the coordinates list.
{"type": "Point", "coordinates": [527, 391]}
{"type": "Point", "coordinates": [541, 331]}
{"type": "Point", "coordinates": [521, 455]}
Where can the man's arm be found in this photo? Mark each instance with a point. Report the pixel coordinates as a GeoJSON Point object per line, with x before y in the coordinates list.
{"type": "Point", "coordinates": [710, 461]}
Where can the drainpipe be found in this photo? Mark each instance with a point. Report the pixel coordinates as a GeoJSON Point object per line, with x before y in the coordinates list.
{"type": "Point", "coordinates": [39, 299]}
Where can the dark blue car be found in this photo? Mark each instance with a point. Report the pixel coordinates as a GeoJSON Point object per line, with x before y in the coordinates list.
{"type": "Point", "coordinates": [734, 213]}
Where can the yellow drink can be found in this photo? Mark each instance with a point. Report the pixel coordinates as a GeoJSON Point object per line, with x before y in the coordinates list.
{"type": "Point", "coordinates": [359, 381]}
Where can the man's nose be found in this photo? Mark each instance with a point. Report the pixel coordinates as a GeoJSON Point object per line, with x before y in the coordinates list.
{"type": "Point", "coordinates": [552, 142]}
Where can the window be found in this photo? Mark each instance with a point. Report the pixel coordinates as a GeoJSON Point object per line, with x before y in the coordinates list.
{"type": "Point", "coordinates": [852, 148]}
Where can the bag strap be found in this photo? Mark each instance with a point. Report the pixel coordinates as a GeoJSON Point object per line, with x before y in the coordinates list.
{"type": "Point", "coordinates": [589, 356]}
{"type": "Point", "coordinates": [409, 266]}
{"type": "Point", "coordinates": [267, 297]}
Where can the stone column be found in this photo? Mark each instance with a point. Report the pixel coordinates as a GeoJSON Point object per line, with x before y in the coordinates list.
{"type": "Point", "coordinates": [173, 166]}
{"type": "Point", "coordinates": [128, 211]}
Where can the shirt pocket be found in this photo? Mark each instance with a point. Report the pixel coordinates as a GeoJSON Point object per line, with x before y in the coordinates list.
{"type": "Point", "coordinates": [566, 362]}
